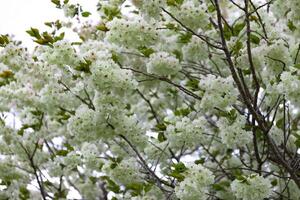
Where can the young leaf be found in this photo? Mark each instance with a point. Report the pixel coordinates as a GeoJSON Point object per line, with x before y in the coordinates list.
{"type": "Point", "coordinates": [179, 167]}
{"type": "Point", "coordinates": [185, 38]}
{"type": "Point", "coordinates": [291, 25]}
{"type": "Point", "coordinates": [227, 32]}
{"type": "Point", "coordinates": [3, 40]}
{"type": "Point", "coordinates": [85, 14]}
{"type": "Point", "coordinates": [254, 39]}
{"type": "Point", "coordinates": [56, 2]}
{"type": "Point", "coordinates": [102, 27]}
{"type": "Point", "coordinates": [161, 137]}
{"type": "Point", "coordinates": [237, 47]}
{"type": "Point", "coordinates": [238, 28]}
{"type": "Point", "coordinates": [146, 51]}
{"type": "Point", "coordinates": [33, 32]}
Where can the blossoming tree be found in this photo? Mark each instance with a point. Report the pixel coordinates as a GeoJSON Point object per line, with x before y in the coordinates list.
{"type": "Point", "coordinates": [173, 99]}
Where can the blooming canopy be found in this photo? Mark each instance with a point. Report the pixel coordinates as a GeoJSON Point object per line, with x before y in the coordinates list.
{"type": "Point", "coordinates": [160, 99]}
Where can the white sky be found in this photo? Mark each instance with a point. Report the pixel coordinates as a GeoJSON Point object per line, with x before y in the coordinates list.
{"type": "Point", "coordinates": [17, 16]}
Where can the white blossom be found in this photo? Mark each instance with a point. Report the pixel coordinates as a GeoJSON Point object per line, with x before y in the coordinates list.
{"type": "Point", "coordinates": [234, 133]}
{"type": "Point", "coordinates": [252, 188]}
{"type": "Point", "coordinates": [221, 90]}
{"type": "Point", "coordinates": [162, 63]}
{"type": "Point", "coordinates": [195, 184]}
{"type": "Point", "coordinates": [131, 33]}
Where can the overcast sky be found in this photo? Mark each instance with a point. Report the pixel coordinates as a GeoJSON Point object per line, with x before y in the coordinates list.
{"type": "Point", "coordinates": [17, 16]}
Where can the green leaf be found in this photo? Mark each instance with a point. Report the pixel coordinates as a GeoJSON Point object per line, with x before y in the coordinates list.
{"type": "Point", "coordinates": [59, 37]}
{"type": "Point", "coordinates": [218, 187]}
{"type": "Point", "coordinates": [85, 14]}
{"type": "Point", "coordinates": [246, 71]}
{"type": "Point", "coordinates": [146, 51]}
{"type": "Point", "coordinates": [48, 183]}
{"type": "Point", "coordinates": [56, 2]}
{"type": "Point", "coordinates": [69, 147]}
{"type": "Point", "coordinates": [33, 32]}
{"type": "Point", "coordinates": [297, 143]}
{"type": "Point", "coordinates": [137, 187]}
{"type": "Point", "coordinates": [200, 161]}
{"type": "Point", "coordinates": [27, 126]}
{"type": "Point", "coordinates": [112, 186]}
{"type": "Point", "coordinates": [62, 152]}
{"type": "Point", "coordinates": [254, 39]}
{"type": "Point", "coordinates": [115, 57]}
{"type": "Point", "coordinates": [171, 3]}
{"type": "Point", "coordinates": [111, 12]}
{"type": "Point", "coordinates": [115, 162]}
{"type": "Point", "coordinates": [241, 178]}
{"type": "Point", "coordinates": [291, 25]}
{"type": "Point", "coordinates": [177, 175]}
{"type": "Point", "coordinates": [62, 194]}
{"type": "Point", "coordinates": [227, 32]}
{"type": "Point", "coordinates": [182, 112]}
{"type": "Point", "coordinates": [254, 18]}
{"type": "Point", "coordinates": [93, 179]}
{"type": "Point", "coordinates": [172, 27]}
{"type": "Point", "coordinates": [179, 2]}
{"type": "Point", "coordinates": [231, 115]}
{"type": "Point", "coordinates": [238, 28]}
{"type": "Point", "coordinates": [248, 127]}
{"type": "Point", "coordinates": [84, 66]}
{"type": "Point", "coordinates": [58, 24]}
{"type": "Point", "coordinates": [185, 38]}
{"type": "Point", "coordinates": [102, 27]}
{"type": "Point", "coordinates": [174, 2]}
{"type": "Point", "coordinates": [36, 112]}
{"type": "Point", "coordinates": [161, 137]}
{"type": "Point", "coordinates": [49, 24]}
{"type": "Point", "coordinates": [280, 123]}
{"type": "Point", "coordinates": [274, 182]}
{"type": "Point", "coordinates": [211, 8]}
{"type": "Point", "coordinates": [179, 167]}
{"type": "Point", "coordinates": [24, 193]}
{"type": "Point", "coordinates": [113, 165]}
{"type": "Point", "coordinates": [47, 37]}
{"type": "Point", "coordinates": [3, 40]}
{"type": "Point", "coordinates": [237, 47]}
{"type": "Point", "coordinates": [161, 127]}
{"type": "Point", "coordinates": [297, 136]}
{"type": "Point", "coordinates": [6, 74]}
{"type": "Point", "coordinates": [178, 54]}
{"type": "Point", "coordinates": [297, 66]}
{"type": "Point", "coordinates": [193, 84]}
